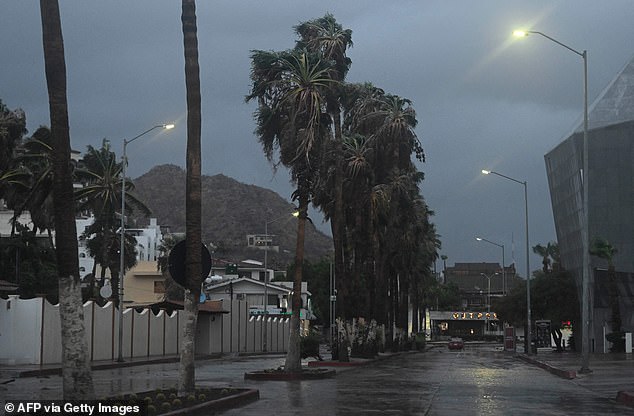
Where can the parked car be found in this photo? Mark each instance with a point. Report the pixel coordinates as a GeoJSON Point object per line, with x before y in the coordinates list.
{"type": "Point", "coordinates": [456, 344]}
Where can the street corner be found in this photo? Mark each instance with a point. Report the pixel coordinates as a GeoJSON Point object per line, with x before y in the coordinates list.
{"type": "Point", "coordinates": [559, 372]}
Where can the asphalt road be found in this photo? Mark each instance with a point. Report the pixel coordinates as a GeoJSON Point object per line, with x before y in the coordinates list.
{"type": "Point", "coordinates": [477, 381]}
{"type": "Point", "coordinates": [439, 382]}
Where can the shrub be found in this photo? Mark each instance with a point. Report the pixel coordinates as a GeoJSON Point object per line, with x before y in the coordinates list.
{"type": "Point", "coordinates": [309, 345]}
{"type": "Point", "coordinates": [421, 341]}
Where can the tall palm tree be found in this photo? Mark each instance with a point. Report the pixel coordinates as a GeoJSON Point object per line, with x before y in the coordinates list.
{"type": "Point", "coordinates": [76, 373]}
{"type": "Point", "coordinates": [329, 39]}
{"type": "Point", "coordinates": [290, 88]}
{"type": "Point", "coordinates": [603, 249]}
{"type": "Point", "coordinates": [193, 265]}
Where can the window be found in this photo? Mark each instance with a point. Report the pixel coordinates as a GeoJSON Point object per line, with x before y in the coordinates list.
{"type": "Point", "coordinates": [159, 286]}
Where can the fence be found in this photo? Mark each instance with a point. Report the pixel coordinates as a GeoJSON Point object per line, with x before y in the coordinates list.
{"type": "Point", "coordinates": [30, 332]}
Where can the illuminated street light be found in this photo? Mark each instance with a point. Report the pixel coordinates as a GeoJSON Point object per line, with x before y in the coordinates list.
{"type": "Point", "coordinates": [528, 269]}
{"type": "Point", "coordinates": [585, 245]}
{"type": "Point", "coordinates": [124, 163]}
{"type": "Point", "coordinates": [503, 262]}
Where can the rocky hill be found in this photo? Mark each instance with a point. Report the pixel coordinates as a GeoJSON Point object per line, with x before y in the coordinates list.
{"type": "Point", "coordinates": [230, 211]}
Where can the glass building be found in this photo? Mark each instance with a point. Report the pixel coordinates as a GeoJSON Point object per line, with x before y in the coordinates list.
{"type": "Point", "coordinates": [610, 199]}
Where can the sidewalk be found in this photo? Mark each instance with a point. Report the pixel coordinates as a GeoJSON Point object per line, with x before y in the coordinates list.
{"type": "Point", "coordinates": [612, 374]}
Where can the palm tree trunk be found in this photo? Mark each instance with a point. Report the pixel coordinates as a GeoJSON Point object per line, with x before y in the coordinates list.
{"type": "Point", "coordinates": [338, 215]}
{"type": "Point", "coordinates": [193, 266]}
{"type": "Point", "coordinates": [293, 362]}
{"type": "Point", "coordinates": [76, 373]}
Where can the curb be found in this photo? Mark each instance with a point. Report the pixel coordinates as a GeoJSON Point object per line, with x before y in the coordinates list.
{"type": "Point", "coordinates": [336, 363]}
{"type": "Point", "coordinates": [269, 375]}
{"type": "Point", "coordinates": [567, 374]}
{"type": "Point", "coordinates": [95, 366]}
{"type": "Point", "coordinates": [359, 362]}
{"type": "Point", "coordinates": [237, 400]}
{"type": "Point", "coordinates": [625, 397]}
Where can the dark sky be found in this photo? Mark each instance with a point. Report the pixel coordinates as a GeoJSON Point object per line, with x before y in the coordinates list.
{"type": "Point", "coordinates": [484, 99]}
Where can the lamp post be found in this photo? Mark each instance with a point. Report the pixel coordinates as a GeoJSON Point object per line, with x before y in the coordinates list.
{"type": "Point", "coordinates": [489, 289]}
{"type": "Point", "coordinates": [585, 244]}
{"type": "Point", "coordinates": [503, 266]}
{"type": "Point", "coordinates": [124, 162]}
{"type": "Point", "coordinates": [266, 273]}
{"type": "Point", "coordinates": [488, 299]}
{"type": "Point", "coordinates": [528, 268]}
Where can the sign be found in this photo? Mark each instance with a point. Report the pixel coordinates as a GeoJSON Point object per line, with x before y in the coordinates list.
{"type": "Point", "coordinates": [509, 338]}
{"type": "Point", "coordinates": [542, 334]}
{"type": "Point", "coordinates": [474, 316]}
{"type": "Point", "coordinates": [106, 290]}
{"type": "Point", "coordinates": [176, 262]}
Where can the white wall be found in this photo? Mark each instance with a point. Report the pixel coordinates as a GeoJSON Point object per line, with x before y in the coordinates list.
{"type": "Point", "coordinates": [30, 332]}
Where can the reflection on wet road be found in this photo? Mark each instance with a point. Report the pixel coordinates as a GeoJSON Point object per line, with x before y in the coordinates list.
{"type": "Point", "coordinates": [438, 382]}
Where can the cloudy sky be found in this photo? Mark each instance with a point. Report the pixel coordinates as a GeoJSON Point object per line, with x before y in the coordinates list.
{"type": "Point", "coordinates": [484, 99]}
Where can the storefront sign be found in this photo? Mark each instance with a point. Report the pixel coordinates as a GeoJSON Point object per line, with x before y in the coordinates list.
{"type": "Point", "coordinates": [471, 316]}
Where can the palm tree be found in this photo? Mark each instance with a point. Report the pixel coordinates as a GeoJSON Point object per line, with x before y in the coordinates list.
{"type": "Point", "coordinates": [328, 38]}
{"type": "Point", "coordinates": [193, 265]}
{"type": "Point", "coordinates": [602, 249]}
{"type": "Point", "coordinates": [546, 252]}
{"type": "Point", "coordinates": [36, 197]}
{"type": "Point", "coordinates": [76, 373]}
{"type": "Point", "coordinates": [290, 88]}
{"type": "Point", "coordinates": [12, 129]}
{"type": "Point", "coordinates": [100, 194]}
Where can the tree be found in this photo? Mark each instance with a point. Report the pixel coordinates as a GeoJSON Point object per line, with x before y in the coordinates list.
{"type": "Point", "coordinates": [555, 299]}
{"type": "Point", "coordinates": [76, 373]}
{"type": "Point", "coordinates": [193, 264]}
{"type": "Point", "coordinates": [328, 38]}
{"type": "Point", "coordinates": [549, 255]}
{"type": "Point", "coordinates": [290, 88]}
{"type": "Point", "coordinates": [100, 194]}
{"type": "Point", "coordinates": [12, 129]}
{"type": "Point", "coordinates": [602, 249]}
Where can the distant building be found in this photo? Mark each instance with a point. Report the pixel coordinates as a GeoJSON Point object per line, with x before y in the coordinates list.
{"type": "Point", "coordinates": [473, 281]}
{"type": "Point", "coordinates": [478, 283]}
{"type": "Point", "coordinates": [610, 196]}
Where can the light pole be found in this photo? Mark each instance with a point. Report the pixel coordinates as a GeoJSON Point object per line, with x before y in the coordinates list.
{"type": "Point", "coordinates": [503, 266]}
{"type": "Point", "coordinates": [266, 273]}
{"type": "Point", "coordinates": [528, 268]}
{"type": "Point", "coordinates": [585, 244]}
{"type": "Point", "coordinates": [489, 289]}
{"type": "Point", "coordinates": [124, 162]}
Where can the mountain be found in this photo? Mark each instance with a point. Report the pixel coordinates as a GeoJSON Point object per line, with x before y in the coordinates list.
{"type": "Point", "coordinates": [230, 211]}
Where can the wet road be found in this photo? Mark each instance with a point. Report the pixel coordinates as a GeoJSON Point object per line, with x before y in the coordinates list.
{"type": "Point", "coordinates": [476, 381]}
{"type": "Point", "coordinates": [438, 382]}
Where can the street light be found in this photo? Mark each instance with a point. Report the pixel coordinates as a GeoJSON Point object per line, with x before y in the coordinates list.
{"type": "Point", "coordinates": [266, 272]}
{"type": "Point", "coordinates": [528, 268]}
{"type": "Point", "coordinates": [124, 162]}
{"type": "Point", "coordinates": [503, 267]}
{"type": "Point", "coordinates": [488, 299]}
{"type": "Point", "coordinates": [585, 246]}
{"type": "Point", "coordinates": [489, 290]}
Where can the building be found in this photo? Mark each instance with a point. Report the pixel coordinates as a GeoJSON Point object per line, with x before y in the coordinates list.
{"type": "Point", "coordinates": [478, 283]}
{"type": "Point", "coordinates": [245, 281]}
{"type": "Point", "coordinates": [610, 197]}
